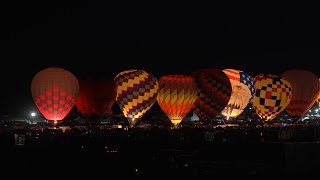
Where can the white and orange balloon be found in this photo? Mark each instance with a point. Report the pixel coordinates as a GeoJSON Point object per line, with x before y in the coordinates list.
{"type": "Point", "coordinates": [243, 88]}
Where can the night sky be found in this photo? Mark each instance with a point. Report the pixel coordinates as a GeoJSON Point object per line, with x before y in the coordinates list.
{"type": "Point", "coordinates": [87, 38]}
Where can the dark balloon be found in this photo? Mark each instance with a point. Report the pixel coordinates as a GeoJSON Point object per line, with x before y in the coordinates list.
{"type": "Point", "coordinates": [305, 89]}
{"type": "Point", "coordinates": [214, 92]}
{"type": "Point", "coordinates": [96, 97]}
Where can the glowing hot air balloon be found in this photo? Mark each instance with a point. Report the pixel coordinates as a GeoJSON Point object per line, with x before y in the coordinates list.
{"type": "Point", "coordinates": [177, 94]}
{"type": "Point", "coordinates": [271, 97]}
{"type": "Point", "coordinates": [214, 92]}
{"type": "Point", "coordinates": [137, 92]}
{"type": "Point", "coordinates": [96, 97]}
{"type": "Point", "coordinates": [318, 101]}
{"type": "Point", "coordinates": [54, 91]}
{"type": "Point", "coordinates": [305, 89]}
{"type": "Point", "coordinates": [243, 89]}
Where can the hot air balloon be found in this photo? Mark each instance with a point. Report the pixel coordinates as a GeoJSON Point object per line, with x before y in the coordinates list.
{"type": "Point", "coordinates": [318, 102]}
{"type": "Point", "coordinates": [305, 89]}
{"type": "Point", "coordinates": [96, 97]}
{"type": "Point", "coordinates": [243, 89]}
{"type": "Point", "coordinates": [54, 91]}
{"type": "Point", "coordinates": [214, 92]}
{"type": "Point", "coordinates": [137, 92]}
{"type": "Point", "coordinates": [319, 95]}
{"type": "Point", "coordinates": [177, 94]}
{"type": "Point", "coordinates": [272, 95]}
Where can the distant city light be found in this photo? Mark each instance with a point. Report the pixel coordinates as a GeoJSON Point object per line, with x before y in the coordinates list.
{"type": "Point", "coordinates": [33, 114]}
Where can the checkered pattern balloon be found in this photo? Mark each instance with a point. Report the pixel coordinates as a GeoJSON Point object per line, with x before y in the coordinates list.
{"type": "Point", "coordinates": [305, 89]}
{"type": "Point", "coordinates": [177, 94]}
{"type": "Point", "coordinates": [54, 91]}
{"type": "Point", "coordinates": [137, 92]}
{"type": "Point", "coordinates": [243, 89]}
{"type": "Point", "coordinates": [271, 97]}
{"type": "Point", "coordinates": [214, 92]}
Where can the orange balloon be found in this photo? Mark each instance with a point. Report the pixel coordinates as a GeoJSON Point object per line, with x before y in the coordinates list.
{"type": "Point", "coordinates": [177, 94]}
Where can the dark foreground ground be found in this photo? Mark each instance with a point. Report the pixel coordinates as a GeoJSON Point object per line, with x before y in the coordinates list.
{"type": "Point", "coordinates": [150, 154]}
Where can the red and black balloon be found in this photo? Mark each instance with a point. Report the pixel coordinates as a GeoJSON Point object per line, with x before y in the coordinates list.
{"type": "Point", "coordinates": [214, 92]}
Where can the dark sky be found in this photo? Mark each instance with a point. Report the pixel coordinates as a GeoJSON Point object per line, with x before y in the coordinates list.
{"type": "Point", "coordinates": [84, 37]}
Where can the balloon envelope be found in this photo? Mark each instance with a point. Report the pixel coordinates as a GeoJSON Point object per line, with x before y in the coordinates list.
{"type": "Point", "coordinates": [305, 89]}
{"type": "Point", "coordinates": [318, 101]}
{"type": "Point", "coordinates": [137, 92]}
{"type": "Point", "coordinates": [177, 94]}
{"type": "Point", "coordinates": [243, 89]}
{"type": "Point", "coordinates": [272, 95]}
{"type": "Point", "coordinates": [54, 91]}
{"type": "Point", "coordinates": [214, 92]}
{"type": "Point", "coordinates": [96, 97]}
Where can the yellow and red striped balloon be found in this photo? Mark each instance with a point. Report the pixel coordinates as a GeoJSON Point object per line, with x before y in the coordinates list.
{"type": "Point", "coordinates": [272, 95]}
{"type": "Point", "coordinates": [214, 92]}
{"type": "Point", "coordinates": [137, 91]}
{"type": "Point", "coordinates": [177, 94]}
{"type": "Point", "coordinates": [305, 89]}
